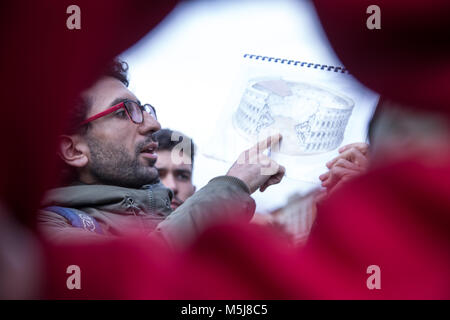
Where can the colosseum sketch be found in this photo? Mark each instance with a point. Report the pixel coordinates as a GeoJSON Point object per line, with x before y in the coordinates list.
{"type": "Point", "coordinates": [311, 118]}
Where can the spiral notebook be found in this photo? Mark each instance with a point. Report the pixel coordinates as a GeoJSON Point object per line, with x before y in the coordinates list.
{"type": "Point", "coordinates": [316, 107]}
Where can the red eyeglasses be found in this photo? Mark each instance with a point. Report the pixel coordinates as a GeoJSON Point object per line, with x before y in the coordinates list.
{"type": "Point", "coordinates": [133, 110]}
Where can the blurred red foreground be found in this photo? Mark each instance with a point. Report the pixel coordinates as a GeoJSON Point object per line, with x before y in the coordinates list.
{"type": "Point", "coordinates": [397, 216]}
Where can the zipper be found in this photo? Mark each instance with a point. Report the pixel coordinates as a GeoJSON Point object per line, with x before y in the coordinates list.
{"type": "Point", "coordinates": [135, 209]}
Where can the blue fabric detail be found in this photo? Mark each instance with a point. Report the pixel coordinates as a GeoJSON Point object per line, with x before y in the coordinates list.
{"type": "Point", "coordinates": [77, 218]}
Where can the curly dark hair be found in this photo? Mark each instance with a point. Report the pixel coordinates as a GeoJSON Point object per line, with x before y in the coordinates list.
{"type": "Point", "coordinates": [116, 69]}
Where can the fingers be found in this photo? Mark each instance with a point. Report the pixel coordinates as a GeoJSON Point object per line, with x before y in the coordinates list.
{"type": "Point", "coordinates": [336, 174]}
{"type": "Point", "coordinates": [261, 146]}
{"type": "Point", "coordinates": [360, 159]}
{"type": "Point", "coordinates": [343, 163]}
{"type": "Point", "coordinates": [353, 155]}
{"type": "Point", "coordinates": [256, 169]}
{"type": "Point", "coordinates": [361, 146]}
{"type": "Point", "coordinates": [346, 155]}
{"type": "Point", "coordinates": [324, 176]}
{"type": "Point", "coordinates": [255, 154]}
{"type": "Point", "coordinates": [342, 171]}
{"type": "Point", "coordinates": [352, 160]}
{"type": "Point", "coordinates": [274, 179]}
{"type": "Point", "coordinates": [333, 161]}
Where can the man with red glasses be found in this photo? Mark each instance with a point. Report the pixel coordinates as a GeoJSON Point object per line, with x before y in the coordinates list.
{"type": "Point", "coordinates": [111, 186]}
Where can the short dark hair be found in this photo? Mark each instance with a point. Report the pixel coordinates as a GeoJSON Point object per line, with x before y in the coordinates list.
{"type": "Point", "coordinates": [165, 142]}
{"type": "Point", "coordinates": [117, 69]}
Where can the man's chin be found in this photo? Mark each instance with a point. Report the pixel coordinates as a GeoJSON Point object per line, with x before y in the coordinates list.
{"type": "Point", "coordinates": [147, 161]}
{"type": "Point", "coordinates": [174, 206]}
{"type": "Point", "coordinates": [148, 175]}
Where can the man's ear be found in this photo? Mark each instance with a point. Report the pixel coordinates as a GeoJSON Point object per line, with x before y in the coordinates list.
{"type": "Point", "coordinates": [73, 150]}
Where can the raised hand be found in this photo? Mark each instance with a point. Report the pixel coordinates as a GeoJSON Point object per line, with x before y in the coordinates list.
{"type": "Point", "coordinates": [256, 169]}
{"type": "Point", "coordinates": [351, 162]}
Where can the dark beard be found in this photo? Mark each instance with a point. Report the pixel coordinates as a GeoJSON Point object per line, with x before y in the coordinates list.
{"type": "Point", "coordinates": [112, 165]}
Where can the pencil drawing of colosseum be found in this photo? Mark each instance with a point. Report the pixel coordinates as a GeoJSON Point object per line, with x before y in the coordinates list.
{"type": "Point", "coordinates": [312, 119]}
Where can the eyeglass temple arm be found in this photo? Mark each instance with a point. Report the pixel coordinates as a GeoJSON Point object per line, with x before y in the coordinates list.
{"type": "Point", "coordinates": [104, 113]}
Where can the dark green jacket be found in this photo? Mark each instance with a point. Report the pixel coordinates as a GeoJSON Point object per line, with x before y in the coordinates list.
{"type": "Point", "coordinates": [123, 211]}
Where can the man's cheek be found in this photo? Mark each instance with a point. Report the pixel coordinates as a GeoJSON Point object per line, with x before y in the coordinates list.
{"type": "Point", "coordinates": [191, 189]}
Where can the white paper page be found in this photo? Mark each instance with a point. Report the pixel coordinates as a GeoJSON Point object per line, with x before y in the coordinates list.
{"type": "Point", "coordinates": [317, 108]}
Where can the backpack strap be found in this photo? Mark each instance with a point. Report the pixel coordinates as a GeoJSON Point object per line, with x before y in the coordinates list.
{"type": "Point", "coordinates": [77, 218]}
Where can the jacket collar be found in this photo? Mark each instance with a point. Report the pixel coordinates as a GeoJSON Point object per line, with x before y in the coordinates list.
{"type": "Point", "coordinates": [154, 198]}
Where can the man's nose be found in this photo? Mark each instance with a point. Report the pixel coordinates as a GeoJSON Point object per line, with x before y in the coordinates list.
{"type": "Point", "coordinates": [169, 182]}
{"type": "Point", "coordinates": [149, 125]}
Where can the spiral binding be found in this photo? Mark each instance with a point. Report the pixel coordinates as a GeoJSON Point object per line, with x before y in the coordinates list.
{"type": "Point", "coordinates": [297, 63]}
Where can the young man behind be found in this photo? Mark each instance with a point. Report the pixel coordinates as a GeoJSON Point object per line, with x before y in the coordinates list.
{"type": "Point", "coordinates": [175, 164]}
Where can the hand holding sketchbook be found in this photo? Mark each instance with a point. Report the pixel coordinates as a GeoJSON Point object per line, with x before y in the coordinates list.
{"type": "Point", "coordinates": [315, 107]}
